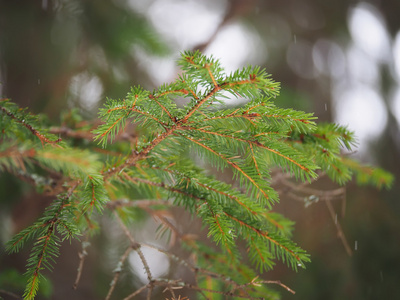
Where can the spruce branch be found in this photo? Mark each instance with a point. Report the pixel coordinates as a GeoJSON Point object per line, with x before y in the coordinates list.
{"type": "Point", "coordinates": [57, 219]}
{"type": "Point", "coordinates": [158, 167]}
{"type": "Point", "coordinates": [24, 119]}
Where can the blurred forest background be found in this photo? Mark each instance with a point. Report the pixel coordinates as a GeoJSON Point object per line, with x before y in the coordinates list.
{"type": "Point", "coordinates": [338, 59]}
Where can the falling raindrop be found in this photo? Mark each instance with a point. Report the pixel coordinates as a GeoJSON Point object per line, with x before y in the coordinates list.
{"type": "Point", "coordinates": [326, 107]}
{"type": "Point", "coordinates": [356, 245]}
{"type": "Point", "coordinates": [294, 38]}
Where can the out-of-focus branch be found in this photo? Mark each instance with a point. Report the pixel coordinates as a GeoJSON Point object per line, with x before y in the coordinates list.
{"type": "Point", "coordinates": [304, 193]}
{"type": "Point", "coordinates": [237, 8]}
{"type": "Point", "coordinates": [88, 135]}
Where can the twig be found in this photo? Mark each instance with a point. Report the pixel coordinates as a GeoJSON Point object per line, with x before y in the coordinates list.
{"type": "Point", "coordinates": [219, 276]}
{"type": "Point", "coordinates": [144, 203]}
{"type": "Point", "coordinates": [135, 246]}
{"type": "Point", "coordinates": [230, 293]}
{"type": "Point", "coordinates": [236, 9]}
{"type": "Point", "coordinates": [344, 205]}
{"type": "Point", "coordinates": [117, 271]}
{"type": "Point", "coordinates": [278, 282]}
{"type": "Point", "coordinates": [339, 228]}
{"type": "Point", "coordinates": [326, 196]}
{"type": "Point", "coordinates": [137, 292]}
{"type": "Point", "coordinates": [82, 255]}
{"type": "Point", "coordinates": [171, 290]}
{"type": "Point", "coordinates": [303, 188]}
{"type": "Point", "coordinates": [149, 291]}
{"type": "Point", "coordinates": [10, 294]}
{"type": "Point", "coordinates": [86, 135]}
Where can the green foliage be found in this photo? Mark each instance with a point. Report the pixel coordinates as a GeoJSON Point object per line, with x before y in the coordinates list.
{"type": "Point", "coordinates": [56, 221]}
{"type": "Point", "coordinates": [13, 279]}
{"type": "Point", "coordinates": [162, 163]}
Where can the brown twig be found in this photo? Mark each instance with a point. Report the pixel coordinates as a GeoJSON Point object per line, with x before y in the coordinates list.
{"type": "Point", "coordinates": [80, 134]}
{"type": "Point", "coordinates": [171, 285]}
{"type": "Point", "coordinates": [278, 282]}
{"type": "Point", "coordinates": [340, 232]}
{"type": "Point", "coordinates": [117, 271]}
{"type": "Point", "coordinates": [326, 196]}
{"type": "Point", "coordinates": [82, 255]}
{"type": "Point", "coordinates": [88, 135]}
{"type": "Point", "coordinates": [137, 292]}
{"type": "Point", "coordinates": [211, 274]}
{"type": "Point", "coordinates": [144, 203]}
{"type": "Point", "coordinates": [135, 245]}
{"type": "Point", "coordinates": [236, 9]}
{"type": "Point", "coordinates": [142, 155]}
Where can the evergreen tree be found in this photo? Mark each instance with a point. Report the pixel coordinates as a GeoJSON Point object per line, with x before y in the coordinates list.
{"type": "Point", "coordinates": [160, 163]}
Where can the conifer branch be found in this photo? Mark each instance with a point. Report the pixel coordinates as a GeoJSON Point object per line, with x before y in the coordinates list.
{"type": "Point", "coordinates": [254, 160]}
{"type": "Point", "coordinates": [162, 106]}
{"type": "Point", "coordinates": [256, 143]}
{"type": "Point", "coordinates": [200, 103]}
{"type": "Point", "coordinates": [236, 199]}
{"type": "Point", "coordinates": [156, 168]}
{"type": "Point", "coordinates": [20, 118]}
{"type": "Point", "coordinates": [265, 235]}
{"type": "Point", "coordinates": [232, 164]}
{"type": "Point", "coordinates": [219, 189]}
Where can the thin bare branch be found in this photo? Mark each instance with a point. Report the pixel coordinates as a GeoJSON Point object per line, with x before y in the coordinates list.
{"type": "Point", "coordinates": [117, 271]}
{"type": "Point", "coordinates": [144, 203]}
{"type": "Point", "coordinates": [82, 255]}
{"type": "Point", "coordinates": [137, 292]}
{"type": "Point", "coordinates": [339, 229]}
{"type": "Point", "coordinates": [15, 296]}
{"type": "Point", "coordinates": [135, 245]}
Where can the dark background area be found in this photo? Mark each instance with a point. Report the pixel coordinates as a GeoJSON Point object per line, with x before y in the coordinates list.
{"type": "Point", "coordinates": [59, 55]}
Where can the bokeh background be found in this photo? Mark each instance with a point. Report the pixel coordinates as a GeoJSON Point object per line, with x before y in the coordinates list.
{"type": "Point", "coordinates": [339, 59]}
